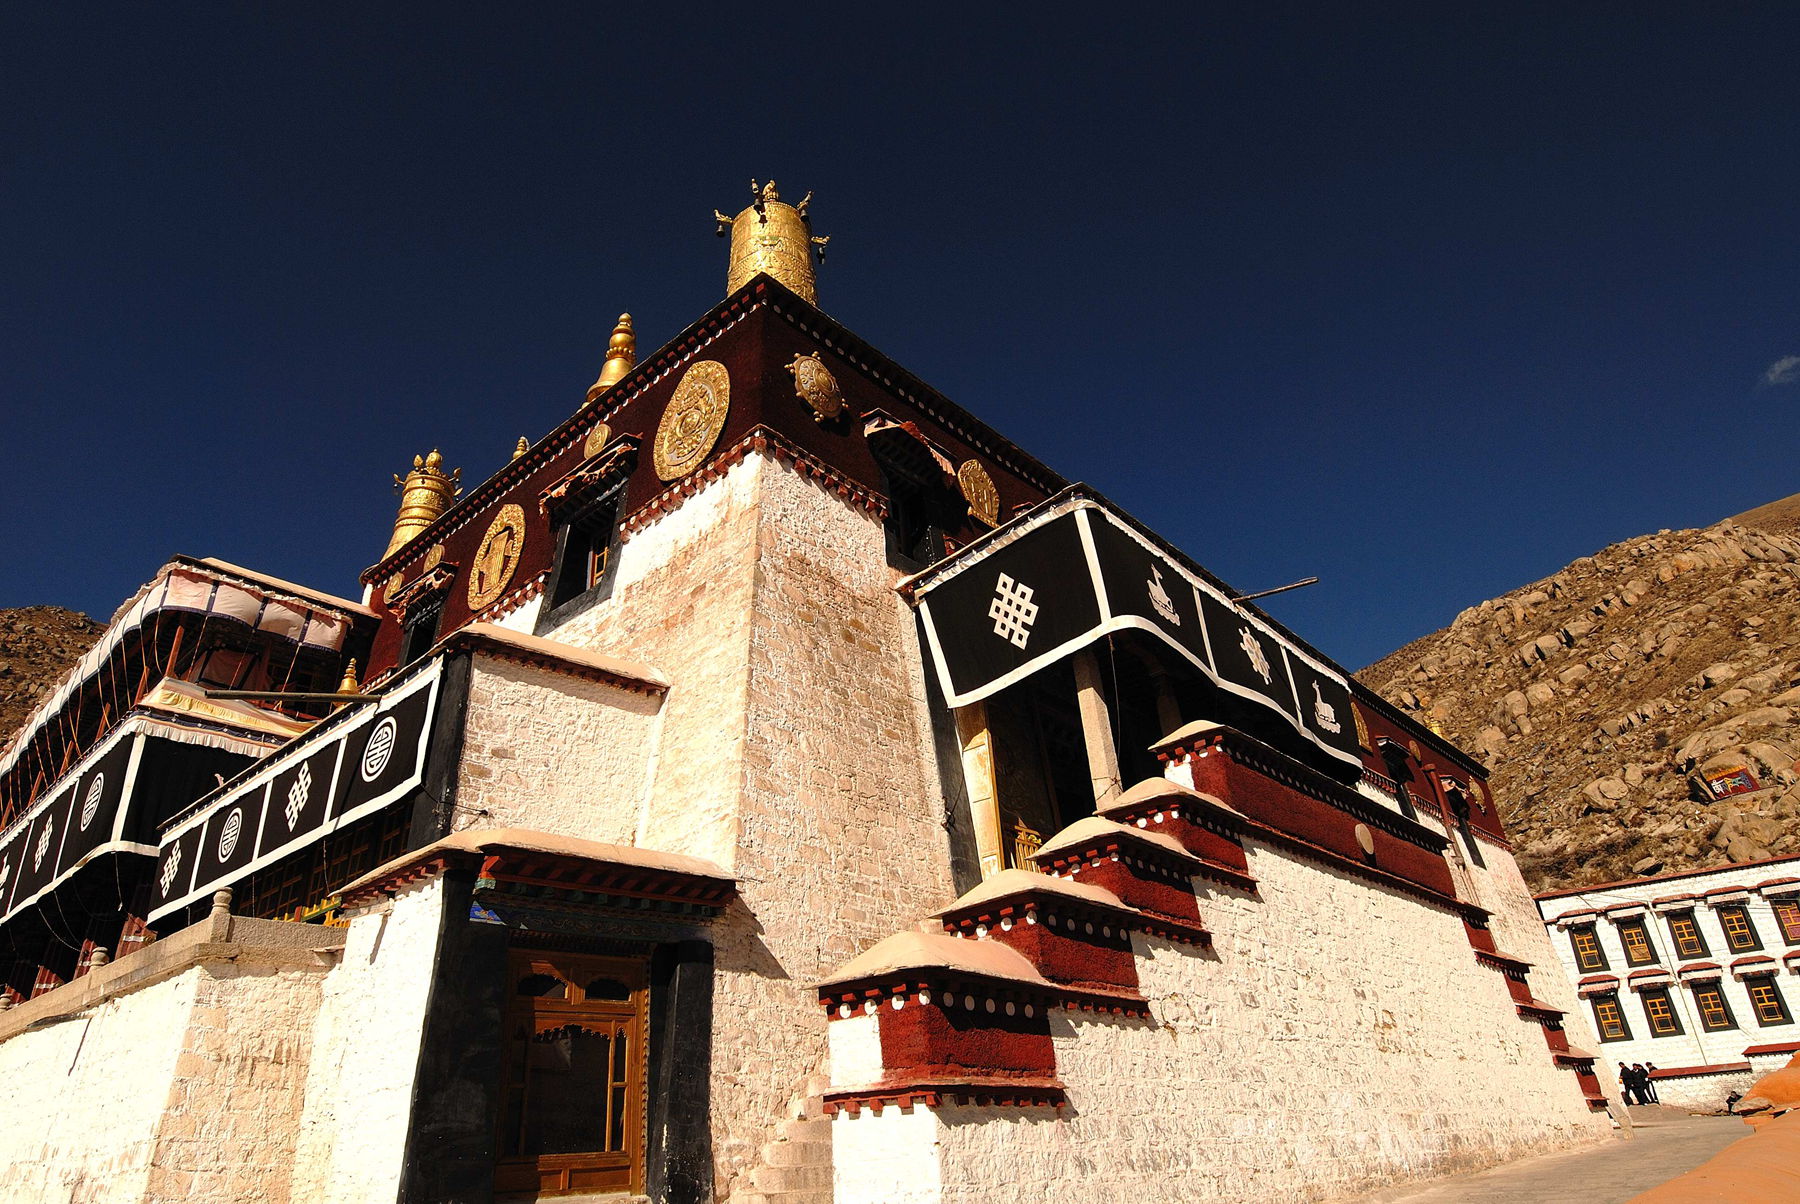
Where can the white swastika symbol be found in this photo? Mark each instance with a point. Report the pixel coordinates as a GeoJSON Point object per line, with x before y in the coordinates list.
{"type": "Point", "coordinates": [1012, 610]}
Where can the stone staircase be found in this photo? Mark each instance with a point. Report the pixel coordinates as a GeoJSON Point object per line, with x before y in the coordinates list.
{"type": "Point", "coordinates": [795, 1167]}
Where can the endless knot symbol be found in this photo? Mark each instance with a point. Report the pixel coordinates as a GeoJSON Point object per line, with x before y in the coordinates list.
{"type": "Point", "coordinates": [90, 806]}
{"type": "Point", "coordinates": [43, 844]}
{"type": "Point", "coordinates": [1012, 610]}
{"type": "Point", "coordinates": [171, 867]}
{"type": "Point", "coordinates": [228, 835]}
{"type": "Point", "coordinates": [1258, 659]}
{"type": "Point", "coordinates": [380, 748]}
{"type": "Point", "coordinates": [298, 793]}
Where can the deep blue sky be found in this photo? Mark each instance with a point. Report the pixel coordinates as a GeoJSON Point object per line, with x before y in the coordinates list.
{"type": "Point", "coordinates": [1424, 299]}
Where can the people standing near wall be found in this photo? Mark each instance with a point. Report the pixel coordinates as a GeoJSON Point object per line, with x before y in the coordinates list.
{"type": "Point", "coordinates": [1628, 1083]}
{"type": "Point", "coordinates": [1649, 1082]}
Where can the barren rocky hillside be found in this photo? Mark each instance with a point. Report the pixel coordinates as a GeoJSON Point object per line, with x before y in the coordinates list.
{"type": "Point", "coordinates": [37, 646]}
{"type": "Point", "coordinates": [1639, 709]}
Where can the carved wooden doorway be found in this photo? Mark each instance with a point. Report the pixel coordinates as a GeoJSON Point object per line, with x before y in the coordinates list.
{"type": "Point", "coordinates": [572, 1075]}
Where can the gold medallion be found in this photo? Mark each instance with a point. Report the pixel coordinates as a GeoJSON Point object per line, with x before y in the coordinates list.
{"type": "Point", "coordinates": [497, 556]}
{"type": "Point", "coordinates": [433, 558]}
{"type": "Point", "coordinates": [817, 387]}
{"type": "Point", "coordinates": [597, 438]}
{"type": "Point", "coordinates": [978, 490]}
{"type": "Point", "coordinates": [691, 425]}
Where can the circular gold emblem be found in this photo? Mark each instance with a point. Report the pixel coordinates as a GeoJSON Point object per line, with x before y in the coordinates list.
{"type": "Point", "coordinates": [433, 558]}
{"type": "Point", "coordinates": [597, 438]}
{"type": "Point", "coordinates": [817, 387]}
{"type": "Point", "coordinates": [978, 489]}
{"type": "Point", "coordinates": [497, 556]}
{"type": "Point", "coordinates": [691, 424]}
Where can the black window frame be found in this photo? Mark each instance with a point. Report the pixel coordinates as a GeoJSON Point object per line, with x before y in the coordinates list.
{"type": "Point", "coordinates": [424, 620]}
{"type": "Point", "coordinates": [1637, 922]}
{"type": "Point", "coordinates": [1660, 993]}
{"type": "Point", "coordinates": [1611, 998]}
{"type": "Point", "coordinates": [1699, 936]}
{"type": "Point", "coordinates": [1715, 986]}
{"type": "Point", "coordinates": [1581, 963]}
{"type": "Point", "coordinates": [1741, 911]}
{"type": "Point", "coordinates": [573, 552]}
{"type": "Point", "coordinates": [1790, 934]}
{"type": "Point", "coordinates": [1767, 980]}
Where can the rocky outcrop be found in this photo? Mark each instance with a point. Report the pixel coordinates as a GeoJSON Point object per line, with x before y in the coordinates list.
{"type": "Point", "coordinates": [1640, 709]}
{"type": "Point", "coordinates": [37, 646]}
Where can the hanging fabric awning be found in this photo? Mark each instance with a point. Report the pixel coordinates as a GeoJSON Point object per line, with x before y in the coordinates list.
{"type": "Point", "coordinates": [210, 588]}
{"type": "Point", "coordinates": [1072, 571]}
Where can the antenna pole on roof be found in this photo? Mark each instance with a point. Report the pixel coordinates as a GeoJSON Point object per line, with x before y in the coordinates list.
{"type": "Point", "coordinates": [1280, 589]}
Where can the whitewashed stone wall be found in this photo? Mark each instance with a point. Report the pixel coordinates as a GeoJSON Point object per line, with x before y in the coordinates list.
{"type": "Point", "coordinates": [794, 750]}
{"type": "Point", "coordinates": [1338, 1038]}
{"type": "Point", "coordinates": [85, 1098]}
{"type": "Point", "coordinates": [554, 753]}
{"type": "Point", "coordinates": [365, 1053]}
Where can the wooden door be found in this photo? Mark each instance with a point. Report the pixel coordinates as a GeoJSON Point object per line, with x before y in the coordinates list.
{"type": "Point", "coordinates": [572, 1075]}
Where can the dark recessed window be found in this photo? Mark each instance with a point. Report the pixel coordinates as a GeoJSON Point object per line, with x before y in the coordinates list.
{"type": "Point", "coordinates": [1740, 933]}
{"type": "Point", "coordinates": [422, 619]}
{"type": "Point", "coordinates": [1714, 1015]}
{"type": "Point", "coordinates": [1609, 1019]}
{"type": "Point", "coordinates": [1686, 934]}
{"type": "Point", "coordinates": [1659, 1012]}
{"type": "Point", "coordinates": [1766, 998]}
{"type": "Point", "coordinates": [585, 553]}
{"type": "Point", "coordinates": [1636, 939]}
{"type": "Point", "coordinates": [1586, 943]}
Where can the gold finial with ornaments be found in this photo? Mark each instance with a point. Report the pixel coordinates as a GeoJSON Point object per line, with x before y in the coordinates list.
{"type": "Point", "coordinates": [425, 494]}
{"type": "Point", "coordinates": [774, 237]}
{"type": "Point", "coordinates": [621, 354]}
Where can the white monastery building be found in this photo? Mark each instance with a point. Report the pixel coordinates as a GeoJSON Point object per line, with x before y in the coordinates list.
{"type": "Point", "coordinates": [772, 785]}
{"type": "Point", "coordinates": [1693, 974]}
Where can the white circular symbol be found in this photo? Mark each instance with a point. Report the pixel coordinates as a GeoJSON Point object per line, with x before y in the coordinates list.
{"type": "Point", "coordinates": [228, 835]}
{"type": "Point", "coordinates": [380, 748]}
{"type": "Point", "coordinates": [90, 805]}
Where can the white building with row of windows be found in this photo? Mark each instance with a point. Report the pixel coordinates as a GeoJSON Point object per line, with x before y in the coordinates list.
{"type": "Point", "coordinates": [1693, 975]}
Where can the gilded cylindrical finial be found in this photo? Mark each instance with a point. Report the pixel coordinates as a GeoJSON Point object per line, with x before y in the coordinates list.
{"type": "Point", "coordinates": [621, 354]}
{"type": "Point", "coordinates": [775, 238]}
{"type": "Point", "coordinates": [348, 684]}
{"type": "Point", "coordinates": [524, 445]}
{"type": "Point", "coordinates": [426, 493]}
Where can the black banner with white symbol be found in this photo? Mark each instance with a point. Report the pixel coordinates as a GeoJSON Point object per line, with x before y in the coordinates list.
{"type": "Point", "coordinates": [91, 818]}
{"type": "Point", "coordinates": [11, 855]}
{"type": "Point", "coordinates": [351, 765]}
{"type": "Point", "coordinates": [1000, 611]}
{"type": "Point", "coordinates": [1027, 604]}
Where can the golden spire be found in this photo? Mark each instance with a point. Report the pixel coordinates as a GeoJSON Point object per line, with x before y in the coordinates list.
{"type": "Point", "coordinates": [621, 354]}
{"type": "Point", "coordinates": [348, 684]}
{"type": "Point", "coordinates": [524, 446]}
{"type": "Point", "coordinates": [774, 237]}
{"type": "Point", "coordinates": [426, 493]}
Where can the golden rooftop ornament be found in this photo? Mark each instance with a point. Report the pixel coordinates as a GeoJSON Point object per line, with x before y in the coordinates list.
{"type": "Point", "coordinates": [817, 387]}
{"type": "Point", "coordinates": [692, 422]}
{"type": "Point", "coordinates": [425, 494]}
{"type": "Point", "coordinates": [621, 354]}
{"type": "Point", "coordinates": [348, 684]}
{"type": "Point", "coordinates": [523, 447]}
{"type": "Point", "coordinates": [978, 490]}
{"type": "Point", "coordinates": [772, 237]}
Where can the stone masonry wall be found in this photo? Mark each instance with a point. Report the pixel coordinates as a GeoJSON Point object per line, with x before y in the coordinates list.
{"type": "Point", "coordinates": [365, 1053]}
{"type": "Point", "coordinates": [1338, 1037]}
{"type": "Point", "coordinates": [842, 835]}
{"type": "Point", "coordinates": [85, 1098]}
{"type": "Point", "coordinates": [554, 753]}
{"type": "Point", "coordinates": [793, 750]}
{"type": "Point", "coordinates": [233, 1112]}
